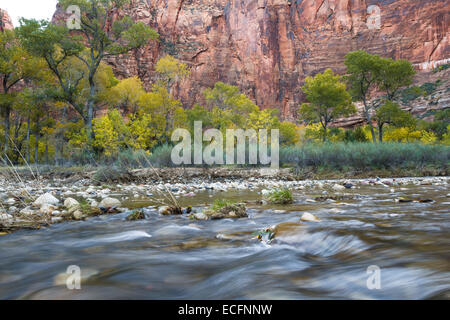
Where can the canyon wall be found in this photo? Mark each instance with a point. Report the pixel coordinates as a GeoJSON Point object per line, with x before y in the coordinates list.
{"type": "Point", "coordinates": [268, 47]}
{"type": "Point", "coordinates": [5, 21]}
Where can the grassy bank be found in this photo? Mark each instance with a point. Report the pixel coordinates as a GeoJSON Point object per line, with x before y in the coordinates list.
{"type": "Point", "coordinates": [310, 161]}
{"type": "Point", "coordinates": [328, 155]}
{"type": "Point", "coordinates": [365, 156]}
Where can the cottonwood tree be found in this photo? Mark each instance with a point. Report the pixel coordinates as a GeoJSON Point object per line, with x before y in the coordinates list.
{"type": "Point", "coordinates": [367, 73]}
{"type": "Point", "coordinates": [100, 36]}
{"type": "Point", "coordinates": [363, 70]}
{"type": "Point", "coordinates": [391, 113]}
{"type": "Point", "coordinates": [328, 100]}
{"type": "Point", "coordinates": [170, 71]}
{"type": "Point", "coordinates": [126, 95]}
{"type": "Point", "coordinates": [58, 48]}
{"type": "Point", "coordinates": [16, 65]}
{"type": "Point", "coordinates": [162, 106]}
{"type": "Point", "coordinates": [393, 75]}
{"type": "Point", "coordinates": [228, 106]}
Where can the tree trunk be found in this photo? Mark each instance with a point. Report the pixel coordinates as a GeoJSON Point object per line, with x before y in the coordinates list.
{"type": "Point", "coordinates": [90, 109]}
{"type": "Point", "coordinates": [46, 151]}
{"type": "Point", "coordinates": [7, 128]}
{"type": "Point", "coordinates": [369, 120]}
{"type": "Point", "coordinates": [380, 133]}
{"type": "Point", "coordinates": [28, 139]}
{"type": "Point", "coordinates": [36, 149]}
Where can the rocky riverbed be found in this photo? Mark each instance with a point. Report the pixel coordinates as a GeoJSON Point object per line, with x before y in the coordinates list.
{"type": "Point", "coordinates": [317, 244]}
{"type": "Point", "coordinates": [41, 202]}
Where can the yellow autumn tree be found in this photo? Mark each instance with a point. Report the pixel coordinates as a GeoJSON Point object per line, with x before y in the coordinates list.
{"type": "Point", "coordinates": [170, 71]}
{"type": "Point", "coordinates": [109, 132]}
{"type": "Point", "coordinates": [126, 95]}
{"type": "Point", "coordinates": [162, 106]}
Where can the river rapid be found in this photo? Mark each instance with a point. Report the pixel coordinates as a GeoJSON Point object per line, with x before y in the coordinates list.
{"type": "Point", "coordinates": [174, 257]}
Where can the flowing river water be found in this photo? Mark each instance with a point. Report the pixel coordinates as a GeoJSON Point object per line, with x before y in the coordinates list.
{"type": "Point", "coordinates": [173, 257]}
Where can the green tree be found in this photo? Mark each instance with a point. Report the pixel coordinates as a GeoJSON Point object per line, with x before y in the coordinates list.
{"type": "Point", "coordinates": [162, 106]}
{"type": "Point", "coordinates": [126, 94]}
{"type": "Point", "coordinates": [367, 73]}
{"type": "Point", "coordinates": [170, 71]}
{"type": "Point", "coordinates": [58, 48]}
{"type": "Point", "coordinates": [103, 42]}
{"type": "Point", "coordinates": [98, 42]}
{"type": "Point", "coordinates": [355, 135]}
{"type": "Point", "coordinates": [199, 113]}
{"type": "Point", "coordinates": [289, 133]}
{"type": "Point", "coordinates": [363, 71]}
{"type": "Point", "coordinates": [229, 107]}
{"type": "Point", "coordinates": [391, 113]}
{"type": "Point", "coordinates": [16, 65]}
{"type": "Point", "coordinates": [328, 99]}
{"type": "Point", "coordinates": [393, 75]}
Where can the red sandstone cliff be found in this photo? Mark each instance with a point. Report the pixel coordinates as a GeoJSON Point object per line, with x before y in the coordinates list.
{"type": "Point", "coordinates": [5, 21]}
{"type": "Point", "coordinates": [267, 47]}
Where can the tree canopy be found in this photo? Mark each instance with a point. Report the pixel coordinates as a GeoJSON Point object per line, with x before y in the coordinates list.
{"type": "Point", "coordinates": [328, 99]}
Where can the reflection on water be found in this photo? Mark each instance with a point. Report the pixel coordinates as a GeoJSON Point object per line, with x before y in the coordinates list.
{"type": "Point", "coordinates": [177, 258]}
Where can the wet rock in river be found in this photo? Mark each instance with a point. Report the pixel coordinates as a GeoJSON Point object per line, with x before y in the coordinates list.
{"type": "Point", "coordinates": [199, 216]}
{"type": "Point", "coordinates": [136, 215]}
{"type": "Point", "coordinates": [78, 215]}
{"type": "Point", "coordinates": [285, 232]}
{"type": "Point", "coordinates": [403, 200]}
{"type": "Point", "coordinates": [425, 200]}
{"type": "Point", "coordinates": [57, 219]}
{"type": "Point", "coordinates": [172, 210]}
{"type": "Point", "coordinates": [165, 210]}
{"type": "Point", "coordinates": [309, 217]}
{"type": "Point", "coordinates": [109, 203]}
{"type": "Point", "coordinates": [335, 198]}
{"type": "Point", "coordinates": [233, 211]}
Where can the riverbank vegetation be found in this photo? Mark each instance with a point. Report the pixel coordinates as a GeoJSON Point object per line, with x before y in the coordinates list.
{"type": "Point", "coordinates": [61, 104]}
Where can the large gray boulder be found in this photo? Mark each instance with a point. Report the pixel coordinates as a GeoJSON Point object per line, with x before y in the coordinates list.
{"type": "Point", "coordinates": [109, 203]}
{"type": "Point", "coordinates": [46, 198]}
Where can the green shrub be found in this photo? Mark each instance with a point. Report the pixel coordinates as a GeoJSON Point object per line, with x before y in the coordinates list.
{"type": "Point", "coordinates": [280, 196]}
{"type": "Point", "coordinates": [355, 135]}
{"type": "Point", "coordinates": [161, 156]}
{"type": "Point", "coordinates": [429, 87]}
{"type": "Point", "coordinates": [365, 155]}
{"type": "Point", "coordinates": [219, 204]}
{"type": "Point", "coordinates": [111, 174]}
{"type": "Point", "coordinates": [441, 67]}
{"type": "Point", "coordinates": [410, 94]}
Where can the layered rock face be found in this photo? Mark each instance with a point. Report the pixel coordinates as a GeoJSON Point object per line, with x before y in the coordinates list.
{"type": "Point", "coordinates": [268, 47]}
{"type": "Point", "coordinates": [5, 21]}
